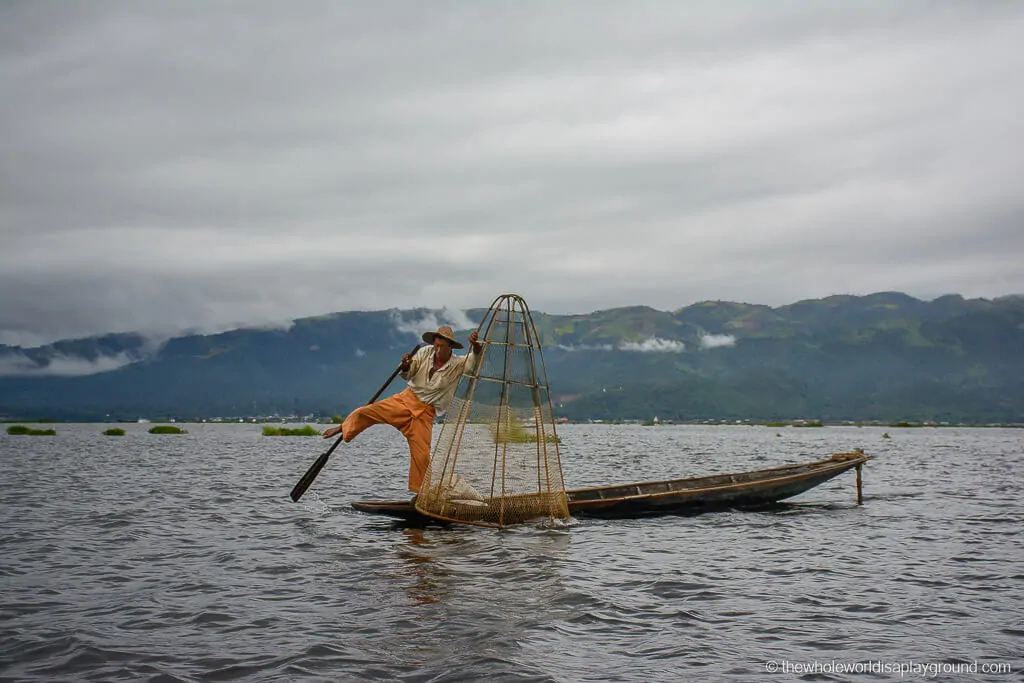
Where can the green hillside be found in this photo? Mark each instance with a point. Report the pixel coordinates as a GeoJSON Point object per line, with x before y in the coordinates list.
{"type": "Point", "coordinates": [885, 356]}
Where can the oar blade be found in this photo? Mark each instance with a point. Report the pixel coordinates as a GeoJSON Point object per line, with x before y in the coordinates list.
{"type": "Point", "coordinates": [309, 476]}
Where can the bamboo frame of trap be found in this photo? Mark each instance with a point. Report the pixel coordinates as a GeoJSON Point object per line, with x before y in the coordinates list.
{"type": "Point", "coordinates": [496, 461]}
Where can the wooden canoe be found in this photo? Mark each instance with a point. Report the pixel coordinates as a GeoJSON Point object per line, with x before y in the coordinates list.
{"type": "Point", "coordinates": [677, 496]}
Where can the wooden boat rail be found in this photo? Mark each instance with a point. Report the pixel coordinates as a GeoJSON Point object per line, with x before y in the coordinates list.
{"type": "Point", "coordinates": [695, 494]}
{"type": "Point", "coordinates": [653, 489]}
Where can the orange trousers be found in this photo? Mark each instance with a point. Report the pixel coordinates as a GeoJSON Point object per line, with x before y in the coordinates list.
{"type": "Point", "coordinates": [409, 415]}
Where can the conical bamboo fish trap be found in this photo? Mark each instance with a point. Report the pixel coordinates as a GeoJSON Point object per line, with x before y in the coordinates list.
{"type": "Point", "coordinates": [496, 461]}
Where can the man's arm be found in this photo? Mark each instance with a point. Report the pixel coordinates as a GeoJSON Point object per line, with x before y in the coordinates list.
{"type": "Point", "coordinates": [411, 363]}
{"type": "Point", "coordinates": [475, 349]}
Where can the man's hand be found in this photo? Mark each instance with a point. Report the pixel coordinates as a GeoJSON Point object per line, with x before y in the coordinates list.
{"type": "Point", "coordinates": [473, 341]}
{"type": "Point", "coordinates": [406, 363]}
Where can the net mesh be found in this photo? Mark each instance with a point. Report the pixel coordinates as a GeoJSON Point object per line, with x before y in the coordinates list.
{"type": "Point", "coordinates": [496, 460]}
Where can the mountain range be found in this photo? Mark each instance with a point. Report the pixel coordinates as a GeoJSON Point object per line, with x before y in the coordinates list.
{"type": "Point", "coordinates": [885, 356]}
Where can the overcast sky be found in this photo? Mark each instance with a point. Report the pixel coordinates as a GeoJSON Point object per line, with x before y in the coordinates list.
{"type": "Point", "coordinates": [190, 165]}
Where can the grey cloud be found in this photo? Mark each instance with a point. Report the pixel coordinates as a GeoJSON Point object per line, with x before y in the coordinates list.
{"type": "Point", "coordinates": [170, 166]}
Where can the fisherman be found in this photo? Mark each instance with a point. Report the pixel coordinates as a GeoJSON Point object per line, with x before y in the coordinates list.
{"type": "Point", "coordinates": [432, 376]}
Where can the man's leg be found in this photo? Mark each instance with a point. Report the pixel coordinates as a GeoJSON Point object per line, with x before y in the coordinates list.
{"type": "Point", "coordinates": [392, 411]}
{"type": "Point", "coordinates": [418, 432]}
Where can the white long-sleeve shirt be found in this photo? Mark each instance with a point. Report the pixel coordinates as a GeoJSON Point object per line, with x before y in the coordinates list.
{"type": "Point", "coordinates": [439, 389]}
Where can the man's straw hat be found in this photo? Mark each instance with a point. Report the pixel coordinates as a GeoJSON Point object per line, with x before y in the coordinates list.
{"type": "Point", "coordinates": [444, 332]}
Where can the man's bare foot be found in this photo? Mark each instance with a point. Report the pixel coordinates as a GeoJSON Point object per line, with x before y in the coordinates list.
{"type": "Point", "coordinates": [332, 431]}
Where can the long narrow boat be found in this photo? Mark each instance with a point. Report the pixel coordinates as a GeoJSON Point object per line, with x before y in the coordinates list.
{"type": "Point", "coordinates": [679, 496]}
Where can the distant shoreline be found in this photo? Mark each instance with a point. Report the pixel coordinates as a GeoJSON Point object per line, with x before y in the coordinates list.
{"type": "Point", "coordinates": [777, 424]}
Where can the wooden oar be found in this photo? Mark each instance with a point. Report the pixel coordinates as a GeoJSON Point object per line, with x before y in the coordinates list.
{"type": "Point", "coordinates": [312, 472]}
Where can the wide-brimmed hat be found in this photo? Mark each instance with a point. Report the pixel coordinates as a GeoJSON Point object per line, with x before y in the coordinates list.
{"type": "Point", "coordinates": [444, 332]}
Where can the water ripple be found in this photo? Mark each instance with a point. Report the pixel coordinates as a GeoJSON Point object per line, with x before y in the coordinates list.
{"type": "Point", "coordinates": [181, 559]}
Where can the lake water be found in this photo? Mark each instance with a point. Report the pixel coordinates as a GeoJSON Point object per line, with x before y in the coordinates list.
{"type": "Point", "coordinates": [181, 558]}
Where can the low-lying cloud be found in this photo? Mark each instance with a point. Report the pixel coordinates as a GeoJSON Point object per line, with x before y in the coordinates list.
{"type": "Point", "coordinates": [649, 345]}
{"type": "Point", "coordinates": [20, 365]}
{"type": "Point", "coordinates": [585, 347]}
{"type": "Point", "coordinates": [655, 345]}
{"type": "Point", "coordinates": [714, 341]}
{"type": "Point", "coordinates": [430, 321]}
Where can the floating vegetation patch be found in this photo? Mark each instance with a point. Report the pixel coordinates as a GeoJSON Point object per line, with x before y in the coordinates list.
{"type": "Point", "coordinates": [516, 432]}
{"type": "Point", "coordinates": [284, 431]}
{"type": "Point", "coordinates": [809, 424]}
{"type": "Point", "coordinates": [22, 430]}
{"type": "Point", "coordinates": [167, 429]}
{"type": "Point", "coordinates": [114, 431]}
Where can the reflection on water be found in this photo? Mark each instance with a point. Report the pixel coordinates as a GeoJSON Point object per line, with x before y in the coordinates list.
{"type": "Point", "coordinates": [183, 558]}
{"type": "Point", "coordinates": [424, 577]}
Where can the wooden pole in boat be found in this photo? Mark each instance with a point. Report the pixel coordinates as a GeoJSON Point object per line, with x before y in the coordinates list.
{"type": "Point", "coordinates": [860, 487]}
